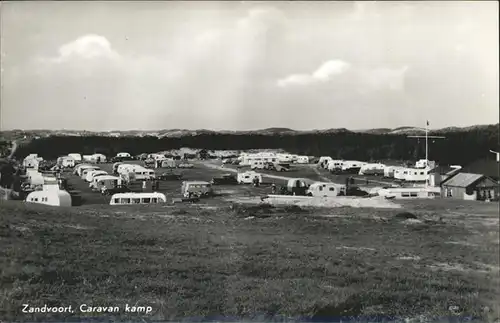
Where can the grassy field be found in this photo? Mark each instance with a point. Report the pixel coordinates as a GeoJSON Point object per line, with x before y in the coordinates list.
{"type": "Point", "coordinates": [251, 263]}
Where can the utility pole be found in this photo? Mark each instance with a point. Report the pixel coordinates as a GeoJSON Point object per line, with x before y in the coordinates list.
{"type": "Point", "coordinates": [427, 141]}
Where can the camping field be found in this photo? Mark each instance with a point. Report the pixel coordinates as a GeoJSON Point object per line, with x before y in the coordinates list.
{"type": "Point", "coordinates": [430, 259]}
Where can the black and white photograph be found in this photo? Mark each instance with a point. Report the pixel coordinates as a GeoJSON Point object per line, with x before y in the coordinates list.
{"type": "Point", "coordinates": [249, 161]}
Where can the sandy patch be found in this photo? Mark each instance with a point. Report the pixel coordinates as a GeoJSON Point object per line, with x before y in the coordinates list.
{"type": "Point", "coordinates": [245, 200]}
{"type": "Point", "coordinates": [356, 202]}
{"type": "Point", "coordinates": [21, 228]}
{"type": "Point", "coordinates": [486, 267]}
{"type": "Point", "coordinates": [208, 207]}
{"type": "Point", "coordinates": [462, 243]}
{"type": "Point", "coordinates": [332, 216]}
{"type": "Point", "coordinates": [165, 216]}
{"type": "Point", "coordinates": [227, 192]}
{"type": "Point", "coordinates": [78, 227]}
{"type": "Point", "coordinates": [412, 221]}
{"type": "Point", "coordinates": [416, 258]}
{"type": "Point", "coordinates": [483, 268]}
{"type": "Point", "coordinates": [448, 267]}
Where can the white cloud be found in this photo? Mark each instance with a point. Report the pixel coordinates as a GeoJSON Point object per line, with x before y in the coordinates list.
{"type": "Point", "coordinates": [322, 74]}
{"type": "Point", "coordinates": [87, 47]}
{"type": "Point", "coordinates": [329, 69]}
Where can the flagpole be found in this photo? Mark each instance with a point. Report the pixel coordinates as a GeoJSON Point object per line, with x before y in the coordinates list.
{"type": "Point", "coordinates": [427, 152]}
{"type": "Point", "coordinates": [426, 143]}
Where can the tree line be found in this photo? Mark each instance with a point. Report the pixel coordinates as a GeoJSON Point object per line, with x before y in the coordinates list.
{"type": "Point", "coordinates": [459, 147]}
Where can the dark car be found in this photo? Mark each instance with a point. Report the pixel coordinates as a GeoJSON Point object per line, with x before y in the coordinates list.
{"type": "Point", "coordinates": [121, 159]}
{"type": "Point", "coordinates": [115, 190]}
{"type": "Point", "coordinates": [227, 179]}
{"type": "Point", "coordinates": [169, 177]}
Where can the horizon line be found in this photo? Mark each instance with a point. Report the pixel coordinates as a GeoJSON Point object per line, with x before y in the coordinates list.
{"type": "Point", "coordinates": [253, 130]}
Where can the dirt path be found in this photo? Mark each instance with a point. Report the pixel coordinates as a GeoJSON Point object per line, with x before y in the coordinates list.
{"type": "Point", "coordinates": [316, 170]}
{"type": "Point", "coordinates": [373, 181]}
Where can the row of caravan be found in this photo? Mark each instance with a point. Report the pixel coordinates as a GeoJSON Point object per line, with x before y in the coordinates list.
{"type": "Point", "coordinates": [97, 178]}
{"type": "Point", "coordinates": [247, 159]}
{"type": "Point", "coordinates": [420, 172]}
{"type": "Point", "coordinates": [345, 166]}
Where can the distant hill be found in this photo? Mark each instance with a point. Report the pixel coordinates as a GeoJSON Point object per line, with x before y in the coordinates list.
{"type": "Point", "coordinates": [460, 146]}
{"type": "Point", "coordinates": [178, 133]}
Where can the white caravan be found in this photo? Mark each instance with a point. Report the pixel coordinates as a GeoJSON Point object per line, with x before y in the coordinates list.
{"type": "Point", "coordinates": [76, 157]}
{"type": "Point", "coordinates": [137, 198]}
{"type": "Point", "coordinates": [302, 160]}
{"type": "Point", "coordinates": [90, 175]}
{"type": "Point", "coordinates": [324, 160]}
{"type": "Point", "coordinates": [389, 171]}
{"type": "Point", "coordinates": [105, 181]}
{"type": "Point", "coordinates": [409, 193]}
{"type": "Point", "coordinates": [258, 165]}
{"type": "Point", "coordinates": [248, 177]}
{"type": "Point", "coordinates": [85, 171]}
{"type": "Point", "coordinates": [50, 197]}
{"type": "Point", "coordinates": [416, 175]}
{"type": "Point", "coordinates": [332, 165]}
{"type": "Point", "coordinates": [320, 189]}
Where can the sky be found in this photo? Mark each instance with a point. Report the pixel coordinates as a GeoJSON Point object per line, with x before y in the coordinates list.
{"type": "Point", "coordinates": [247, 65]}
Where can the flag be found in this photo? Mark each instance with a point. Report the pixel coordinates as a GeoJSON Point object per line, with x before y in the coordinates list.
{"type": "Point", "coordinates": [427, 122]}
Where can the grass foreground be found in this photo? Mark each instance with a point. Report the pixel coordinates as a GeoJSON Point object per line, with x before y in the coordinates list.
{"type": "Point", "coordinates": [436, 261]}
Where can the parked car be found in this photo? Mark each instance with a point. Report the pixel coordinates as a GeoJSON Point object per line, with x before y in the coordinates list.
{"type": "Point", "coordinates": [226, 179]}
{"type": "Point", "coordinates": [169, 176]}
{"type": "Point", "coordinates": [196, 189]}
{"type": "Point", "coordinates": [120, 159]}
{"type": "Point", "coordinates": [185, 165]}
{"type": "Point", "coordinates": [278, 167]}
